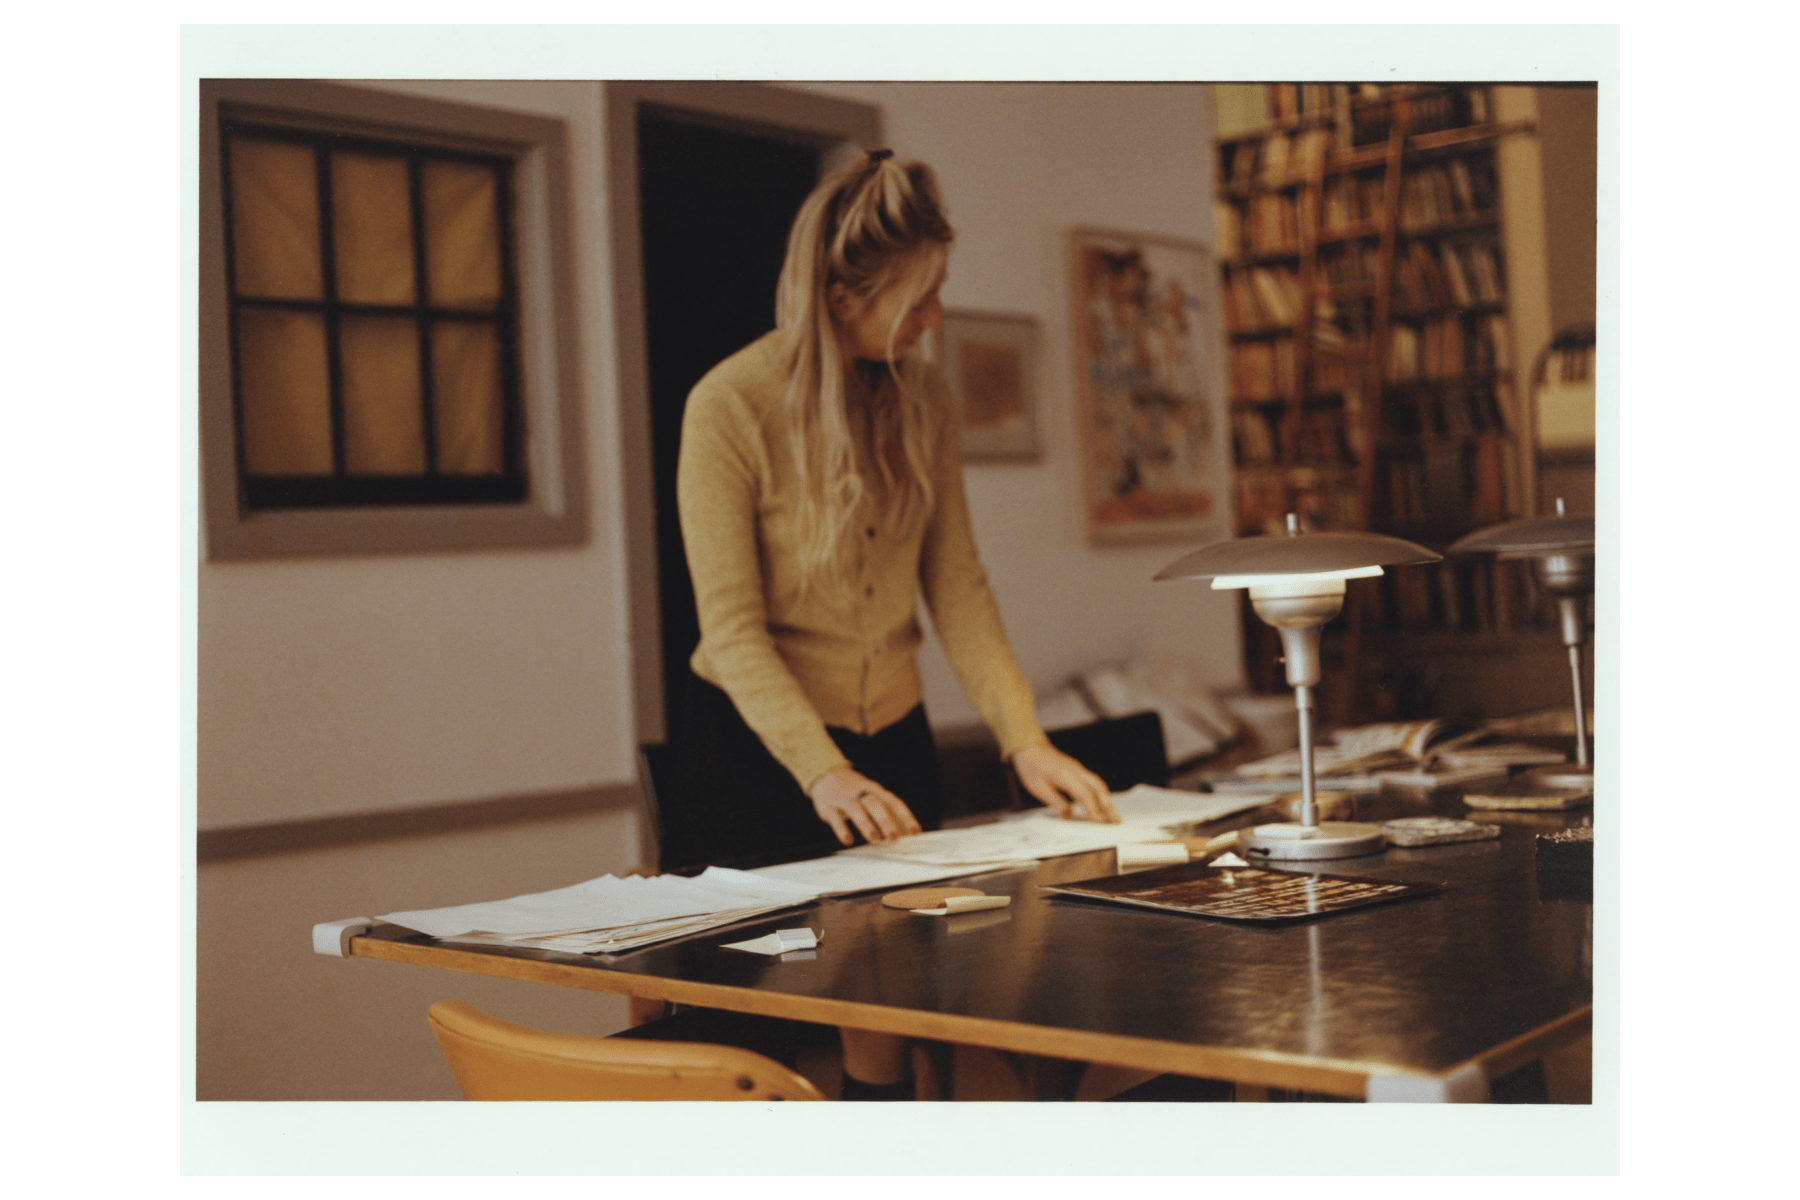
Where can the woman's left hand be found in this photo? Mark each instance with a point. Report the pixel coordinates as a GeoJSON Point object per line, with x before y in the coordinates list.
{"type": "Point", "coordinates": [1063, 784]}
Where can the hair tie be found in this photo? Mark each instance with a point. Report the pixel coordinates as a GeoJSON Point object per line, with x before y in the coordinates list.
{"type": "Point", "coordinates": [876, 156]}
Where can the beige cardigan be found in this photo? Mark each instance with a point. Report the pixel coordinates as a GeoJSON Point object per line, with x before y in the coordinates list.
{"type": "Point", "coordinates": [842, 654]}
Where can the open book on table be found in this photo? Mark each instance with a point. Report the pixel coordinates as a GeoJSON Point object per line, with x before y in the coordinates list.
{"type": "Point", "coordinates": [1431, 753]}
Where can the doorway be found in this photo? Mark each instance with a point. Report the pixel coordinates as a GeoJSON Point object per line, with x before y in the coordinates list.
{"type": "Point", "coordinates": [716, 205]}
{"type": "Point", "coordinates": [704, 181]}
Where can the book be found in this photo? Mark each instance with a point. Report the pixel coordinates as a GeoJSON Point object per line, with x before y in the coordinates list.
{"type": "Point", "coordinates": [1432, 753]}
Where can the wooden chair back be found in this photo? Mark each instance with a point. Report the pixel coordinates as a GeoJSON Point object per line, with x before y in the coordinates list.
{"type": "Point", "coordinates": [498, 1060]}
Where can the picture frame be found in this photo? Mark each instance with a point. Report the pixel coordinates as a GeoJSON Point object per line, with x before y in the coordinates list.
{"type": "Point", "coordinates": [990, 361]}
{"type": "Point", "coordinates": [1152, 423]}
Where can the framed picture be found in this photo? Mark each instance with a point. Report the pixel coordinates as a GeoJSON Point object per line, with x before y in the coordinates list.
{"type": "Point", "coordinates": [1151, 417]}
{"type": "Point", "coordinates": [990, 362]}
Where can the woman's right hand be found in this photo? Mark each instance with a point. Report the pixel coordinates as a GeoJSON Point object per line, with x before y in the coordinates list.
{"type": "Point", "coordinates": [846, 799]}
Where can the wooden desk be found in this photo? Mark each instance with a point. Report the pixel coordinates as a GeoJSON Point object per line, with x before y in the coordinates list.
{"type": "Point", "coordinates": [1422, 998]}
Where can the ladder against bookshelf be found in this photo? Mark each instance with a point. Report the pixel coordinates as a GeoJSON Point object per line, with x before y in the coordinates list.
{"type": "Point", "coordinates": [1370, 352]}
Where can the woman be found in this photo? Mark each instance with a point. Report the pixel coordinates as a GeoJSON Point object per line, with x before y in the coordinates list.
{"type": "Point", "coordinates": [821, 495]}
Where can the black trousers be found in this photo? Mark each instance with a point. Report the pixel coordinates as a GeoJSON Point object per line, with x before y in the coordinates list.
{"type": "Point", "coordinates": [734, 803]}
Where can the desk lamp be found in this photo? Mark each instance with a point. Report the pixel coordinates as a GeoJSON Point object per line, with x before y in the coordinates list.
{"type": "Point", "coordinates": [1561, 550]}
{"type": "Point", "coordinates": [1296, 584]}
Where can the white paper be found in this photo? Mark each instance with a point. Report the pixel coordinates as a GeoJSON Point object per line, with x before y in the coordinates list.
{"type": "Point", "coordinates": [779, 942]}
{"type": "Point", "coordinates": [1152, 854]}
{"type": "Point", "coordinates": [1036, 836]}
{"type": "Point", "coordinates": [843, 874]}
{"type": "Point", "coordinates": [607, 903]}
{"type": "Point", "coordinates": [1160, 808]}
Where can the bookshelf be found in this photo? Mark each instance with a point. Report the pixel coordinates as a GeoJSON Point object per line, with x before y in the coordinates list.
{"type": "Point", "coordinates": [1372, 360]}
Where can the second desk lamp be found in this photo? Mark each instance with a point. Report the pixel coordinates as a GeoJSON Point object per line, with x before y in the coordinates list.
{"type": "Point", "coordinates": [1561, 552]}
{"type": "Point", "coordinates": [1296, 584]}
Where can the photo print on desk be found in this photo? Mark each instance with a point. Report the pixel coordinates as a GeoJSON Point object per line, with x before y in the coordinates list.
{"type": "Point", "coordinates": [1151, 421]}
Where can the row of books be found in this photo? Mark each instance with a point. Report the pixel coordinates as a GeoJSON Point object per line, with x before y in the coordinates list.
{"type": "Point", "coordinates": [1277, 158]}
{"type": "Point", "coordinates": [1351, 200]}
{"type": "Point", "coordinates": [1450, 415]}
{"type": "Point", "coordinates": [1574, 364]}
{"type": "Point", "coordinates": [1456, 485]}
{"type": "Point", "coordinates": [1430, 108]}
{"type": "Point", "coordinates": [1323, 502]}
{"type": "Point", "coordinates": [1461, 595]}
{"type": "Point", "coordinates": [1453, 274]}
{"type": "Point", "coordinates": [1262, 370]}
{"type": "Point", "coordinates": [1442, 192]}
{"type": "Point", "coordinates": [1261, 298]}
{"type": "Point", "coordinates": [1290, 100]}
{"type": "Point", "coordinates": [1314, 435]}
{"type": "Point", "coordinates": [1447, 346]}
{"type": "Point", "coordinates": [1269, 223]}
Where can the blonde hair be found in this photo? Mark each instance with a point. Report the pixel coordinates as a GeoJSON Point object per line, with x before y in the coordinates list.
{"type": "Point", "coordinates": [877, 225]}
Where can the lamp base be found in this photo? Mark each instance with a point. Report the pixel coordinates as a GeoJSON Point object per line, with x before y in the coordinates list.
{"type": "Point", "coordinates": [1562, 775]}
{"type": "Point", "coordinates": [1327, 839]}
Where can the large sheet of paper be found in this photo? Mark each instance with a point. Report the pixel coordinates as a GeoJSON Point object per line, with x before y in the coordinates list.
{"type": "Point", "coordinates": [607, 903]}
{"type": "Point", "coordinates": [1163, 808]}
{"type": "Point", "coordinates": [1034, 836]}
{"type": "Point", "coordinates": [844, 874]}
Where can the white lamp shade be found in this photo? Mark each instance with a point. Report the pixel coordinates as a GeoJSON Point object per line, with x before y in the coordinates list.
{"type": "Point", "coordinates": [1344, 555]}
{"type": "Point", "coordinates": [1533, 537]}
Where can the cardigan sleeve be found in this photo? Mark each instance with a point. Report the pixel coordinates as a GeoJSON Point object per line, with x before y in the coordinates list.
{"type": "Point", "coordinates": [717, 488]}
{"type": "Point", "coordinates": [962, 605]}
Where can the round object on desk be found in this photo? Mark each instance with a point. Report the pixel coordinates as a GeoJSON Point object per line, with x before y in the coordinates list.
{"type": "Point", "coordinates": [927, 897]}
{"type": "Point", "coordinates": [1332, 805]}
{"type": "Point", "coordinates": [1327, 839]}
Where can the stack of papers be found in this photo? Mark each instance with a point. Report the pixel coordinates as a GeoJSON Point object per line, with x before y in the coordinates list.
{"type": "Point", "coordinates": [1162, 808]}
{"type": "Point", "coordinates": [609, 915]}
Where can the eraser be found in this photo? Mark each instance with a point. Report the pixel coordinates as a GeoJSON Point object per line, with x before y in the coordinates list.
{"type": "Point", "coordinates": [332, 938]}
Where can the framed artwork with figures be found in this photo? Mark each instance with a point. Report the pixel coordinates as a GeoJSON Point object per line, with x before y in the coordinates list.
{"type": "Point", "coordinates": [1152, 423]}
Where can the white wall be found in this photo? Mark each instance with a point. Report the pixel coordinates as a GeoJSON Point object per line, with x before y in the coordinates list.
{"type": "Point", "coordinates": [351, 684]}
{"type": "Point", "coordinates": [1020, 166]}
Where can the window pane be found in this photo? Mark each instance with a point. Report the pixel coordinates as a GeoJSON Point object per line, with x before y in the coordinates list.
{"type": "Point", "coordinates": [371, 216]}
{"type": "Point", "coordinates": [462, 229]}
{"type": "Point", "coordinates": [285, 393]}
{"type": "Point", "coordinates": [275, 220]}
{"type": "Point", "coordinates": [465, 375]}
{"type": "Point", "coordinates": [384, 429]}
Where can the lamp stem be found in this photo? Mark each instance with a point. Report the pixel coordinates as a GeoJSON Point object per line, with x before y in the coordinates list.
{"type": "Point", "coordinates": [1573, 628]}
{"type": "Point", "coordinates": [1581, 742]}
{"type": "Point", "coordinates": [1309, 803]}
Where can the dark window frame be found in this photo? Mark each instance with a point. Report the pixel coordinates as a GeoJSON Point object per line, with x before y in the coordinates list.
{"type": "Point", "coordinates": [541, 499]}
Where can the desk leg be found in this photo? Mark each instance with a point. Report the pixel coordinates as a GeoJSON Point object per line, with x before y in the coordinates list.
{"type": "Point", "coordinates": [939, 1062]}
{"type": "Point", "coordinates": [1046, 1078]}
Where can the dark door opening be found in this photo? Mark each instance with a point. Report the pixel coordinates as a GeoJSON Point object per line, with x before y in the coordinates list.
{"type": "Point", "coordinates": [716, 205]}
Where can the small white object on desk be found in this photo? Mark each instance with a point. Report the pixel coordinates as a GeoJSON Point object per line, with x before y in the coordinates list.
{"type": "Point", "coordinates": [1228, 859]}
{"type": "Point", "coordinates": [332, 938]}
{"type": "Point", "coordinates": [779, 942]}
{"type": "Point", "coordinates": [1151, 854]}
{"type": "Point", "coordinates": [962, 904]}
